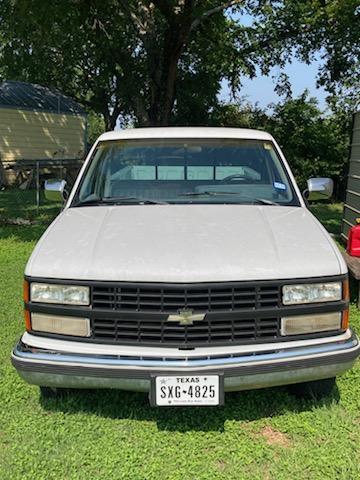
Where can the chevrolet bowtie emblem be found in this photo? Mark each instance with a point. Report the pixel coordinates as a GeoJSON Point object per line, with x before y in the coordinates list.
{"type": "Point", "coordinates": [186, 316]}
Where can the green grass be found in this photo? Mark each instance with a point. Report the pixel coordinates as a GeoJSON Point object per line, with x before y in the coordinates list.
{"type": "Point", "coordinates": [264, 434]}
{"type": "Point", "coordinates": [330, 216]}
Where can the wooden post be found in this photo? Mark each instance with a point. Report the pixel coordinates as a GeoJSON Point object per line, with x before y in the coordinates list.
{"type": "Point", "coordinates": [37, 186]}
{"type": "Point", "coordinates": [353, 264]}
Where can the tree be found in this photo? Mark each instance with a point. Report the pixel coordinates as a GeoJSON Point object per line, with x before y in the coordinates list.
{"type": "Point", "coordinates": [60, 44]}
{"type": "Point", "coordinates": [240, 115]}
{"type": "Point", "coordinates": [113, 56]}
{"type": "Point", "coordinates": [314, 144]}
{"type": "Point", "coordinates": [162, 61]}
{"type": "Point", "coordinates": [95, 127]}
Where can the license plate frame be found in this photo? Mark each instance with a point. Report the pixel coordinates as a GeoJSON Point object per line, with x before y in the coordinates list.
{"type": "Point", "coordinates": [153, 390]}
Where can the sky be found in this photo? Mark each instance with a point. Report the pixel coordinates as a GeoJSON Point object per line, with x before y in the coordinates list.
{"type": "Point", "coordinates": [261, 88]}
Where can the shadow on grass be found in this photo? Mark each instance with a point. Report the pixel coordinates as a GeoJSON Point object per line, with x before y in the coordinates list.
{"type": "Point", "coordinates": [18, 204]}
{"type": "Point", "coordinates": [20, 233]}
{"type": "Point", "coordinates": [330, 215]}
{"type": "Point", "coordinates": [239, 406]}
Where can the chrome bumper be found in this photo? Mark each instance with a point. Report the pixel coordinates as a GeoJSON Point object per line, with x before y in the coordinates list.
{"type": "Point", "coordinates": [78, 365]}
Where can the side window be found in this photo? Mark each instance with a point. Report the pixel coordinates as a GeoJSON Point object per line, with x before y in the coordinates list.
{"type": "Point", "coordinates": [279, 179]}
{"type": "Point", "coordinates": [90, 185]}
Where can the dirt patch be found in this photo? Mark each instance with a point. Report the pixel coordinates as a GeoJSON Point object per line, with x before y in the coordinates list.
{"type": "Point", "coordinates": [220, 465]}
{"type": "Point", "coordinates": [16, 221]}
{"type": "Point", "coordinates": [274, 437]}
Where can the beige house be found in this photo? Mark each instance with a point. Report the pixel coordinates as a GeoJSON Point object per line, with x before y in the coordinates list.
{"type": "Point", "coordinates": [38, 124]}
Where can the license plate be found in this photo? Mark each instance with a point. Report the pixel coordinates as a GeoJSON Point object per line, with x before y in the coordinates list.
{"type": "Point", "coordinates": [195, 390]}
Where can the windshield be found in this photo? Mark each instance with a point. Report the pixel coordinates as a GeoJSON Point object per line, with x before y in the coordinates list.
{"type": "Point", "coordinates": [185, 171]}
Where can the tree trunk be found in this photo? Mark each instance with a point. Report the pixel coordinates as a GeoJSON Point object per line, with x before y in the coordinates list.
{"type": "Point", "coordinates": [164, 62]}
{"type": "Point", "coordinates": [111, 118]}
{"type": "Point", "coordinates": [108, 121]}
{"type": "Point", "coordinates": [163, 96]}
{"type": "Point", "coordinates": [163, 50]}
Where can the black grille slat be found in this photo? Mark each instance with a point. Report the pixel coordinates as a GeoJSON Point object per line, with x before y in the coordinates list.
{"type": "Point", "coordinates": [135, 326]}
{"type": "Point", "coordinates": [168, 300]}
{"type": "Point", "coordinates": [203, 332]}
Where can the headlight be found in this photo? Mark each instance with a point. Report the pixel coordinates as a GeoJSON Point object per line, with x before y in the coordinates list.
{"type": "Point", "coordinates": [62, 294]}
{"type": "Point", "coordinates": [311, 293]}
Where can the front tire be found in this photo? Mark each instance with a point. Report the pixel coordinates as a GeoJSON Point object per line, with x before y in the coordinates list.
{"type": "Point", "coordinates": [315, 390]}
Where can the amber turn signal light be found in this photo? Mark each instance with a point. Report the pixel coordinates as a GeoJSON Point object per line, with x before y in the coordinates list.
{"type": "Point", "coordinates": [346, 297]}
{"type": "Point", "coordinates": [26, 291]}
{"type": "Point", "coordinates": [345, 319]}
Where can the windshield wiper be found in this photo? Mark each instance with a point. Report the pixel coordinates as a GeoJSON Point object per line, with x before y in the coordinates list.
{"type": "Point", "coordinates": [118, 201]}
{"type": "Point", "coordinates": [145, 201]}
{"type": "Point", "coordinates": [210, 193]}
{"type": "Point", "coordinates": [263, 201]}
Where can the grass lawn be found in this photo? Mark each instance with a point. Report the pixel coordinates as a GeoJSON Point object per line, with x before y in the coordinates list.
{"type": "Point", "coordinates": [330, 216]}
{"type": "Point", "coordinates": [265, 434]}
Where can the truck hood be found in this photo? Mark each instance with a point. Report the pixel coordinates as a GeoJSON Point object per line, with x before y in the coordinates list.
{"type": "Point", "coordinates": [185, 243]}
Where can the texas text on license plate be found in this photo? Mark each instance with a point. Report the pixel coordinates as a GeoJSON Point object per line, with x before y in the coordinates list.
{"type": "Point", "coordinates": [181, 390]}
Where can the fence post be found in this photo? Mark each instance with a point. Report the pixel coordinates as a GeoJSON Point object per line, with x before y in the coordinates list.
{"type": "Point", "coordinates": [37, 186]}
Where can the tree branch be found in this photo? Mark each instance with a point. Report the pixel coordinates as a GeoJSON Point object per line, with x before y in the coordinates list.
{"type": "Point", "coordinates": [211, 12]}
{"type": "Point", "coordinates": [164, 7]}
{"type": "Point", "coordinates": [135, 20]}
{"type": "Point", "coordinates": [140, 111]}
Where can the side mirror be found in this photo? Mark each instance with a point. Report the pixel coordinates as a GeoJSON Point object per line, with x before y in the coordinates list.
{"type": "Point", "coordinates": [319, 188]}
{"type": "Point", "coordinates": [55, 190]}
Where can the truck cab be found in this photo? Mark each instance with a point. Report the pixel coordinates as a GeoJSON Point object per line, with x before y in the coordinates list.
{"type": "Point", "coordinates": [186, 264]}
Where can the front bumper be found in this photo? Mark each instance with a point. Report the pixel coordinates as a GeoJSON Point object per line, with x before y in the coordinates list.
{"type": "Point", "coordinates": [75, 365]}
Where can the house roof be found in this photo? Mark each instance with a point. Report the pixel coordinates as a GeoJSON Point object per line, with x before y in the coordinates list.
{"type": "Point", "coordinates": [30, 96]}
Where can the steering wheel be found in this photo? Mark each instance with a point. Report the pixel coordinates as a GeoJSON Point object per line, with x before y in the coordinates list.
{"type": "Point", "coordinates": [236, 176]}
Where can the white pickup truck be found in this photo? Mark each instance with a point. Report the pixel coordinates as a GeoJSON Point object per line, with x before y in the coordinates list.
{"type": "Point", "coordinates": [185, 263]}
